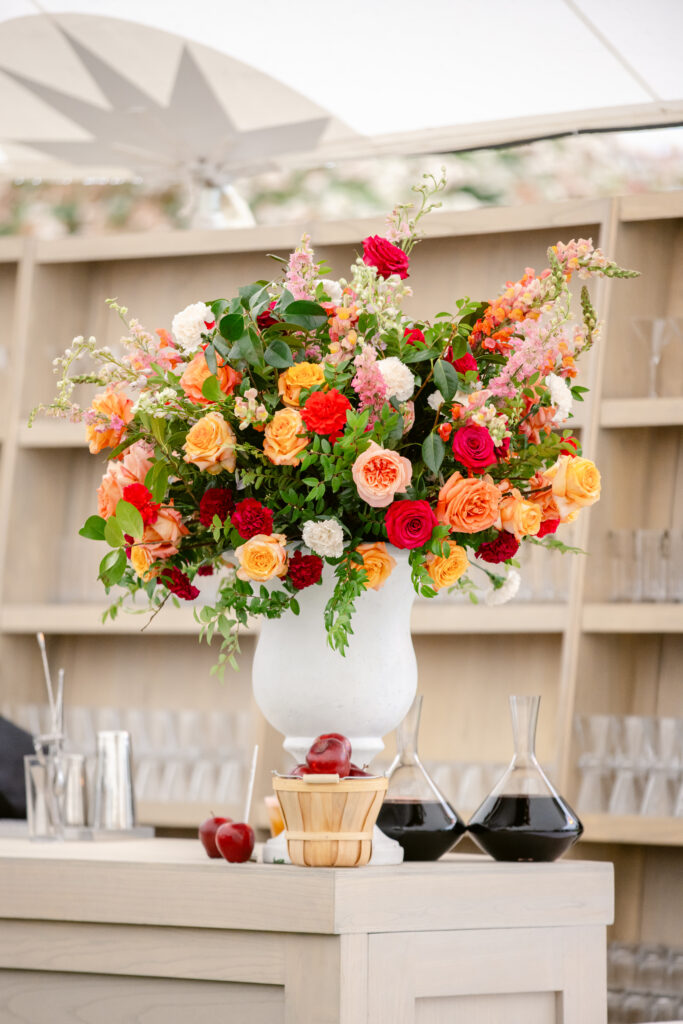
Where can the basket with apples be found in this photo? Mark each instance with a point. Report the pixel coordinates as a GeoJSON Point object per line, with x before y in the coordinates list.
{"type": "Point", "coordinates": [329, 806]}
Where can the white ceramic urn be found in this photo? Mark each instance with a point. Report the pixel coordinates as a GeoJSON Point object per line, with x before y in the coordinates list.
{"type": "Point", "coordinates": [304, 688]}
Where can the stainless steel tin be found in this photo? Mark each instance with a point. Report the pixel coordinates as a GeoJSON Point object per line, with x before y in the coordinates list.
{"type": "Point", "coordinates": [114, 798]}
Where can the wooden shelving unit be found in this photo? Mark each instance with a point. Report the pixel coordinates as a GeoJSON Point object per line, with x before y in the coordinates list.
{"type": "Point", "coordinates": [583, 655]}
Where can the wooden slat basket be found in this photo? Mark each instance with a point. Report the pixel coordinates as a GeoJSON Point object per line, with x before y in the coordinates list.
{"type": "Point", "coordinates": [329, 824]}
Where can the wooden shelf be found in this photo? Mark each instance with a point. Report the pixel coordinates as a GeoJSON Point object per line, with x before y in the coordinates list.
{"type": "Point", "coordinates": [52, 434]}
{"type": "Point", "coordinates": [633, 618]}
{"type": "Point", "coordinates": [11, 249]}
{"type": "Point", "coordinates": [641, 412]}
{"type": "Point", "coordinates": [655, 206]}
{"type": "Point", "coordinates": [191, 813]}
{"type": "Point", "coordinates": [632, 829]}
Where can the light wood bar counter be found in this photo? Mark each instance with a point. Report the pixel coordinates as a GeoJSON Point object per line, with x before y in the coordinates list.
{"type": "Point", "coordinates": [153, 932]}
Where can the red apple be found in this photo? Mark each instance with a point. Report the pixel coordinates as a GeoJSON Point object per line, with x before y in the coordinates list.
{"type": "Point", "coordinates": [356, 773]}
{"type": "Point", "coordinates": [328, 756]}
{"type": "Point", "coordinates": [207, 834]}
{"type": "Point", "coordinates": [235, 841]}
{"type": "Point", "coordinates": [299, 770]}
{"type": "Point", "coordinates": [337, 736]}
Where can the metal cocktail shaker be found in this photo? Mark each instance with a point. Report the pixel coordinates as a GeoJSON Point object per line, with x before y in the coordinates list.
{"type": "Point", "coordinates": [114, 799]}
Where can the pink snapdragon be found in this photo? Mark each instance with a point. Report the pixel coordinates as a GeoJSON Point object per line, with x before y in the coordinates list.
{"type": "Point", "coordinates": [302, 273]}
{"type": "Point", "coordinates": [368, 382]}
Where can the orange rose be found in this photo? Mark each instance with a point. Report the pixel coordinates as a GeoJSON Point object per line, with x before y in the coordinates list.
{"type": "Point", "coordinates": [468, 504]}
{"type": "Point", "coordinates": [132, 468]}
{"type": "Point", "coordinates": [282, 441]}
{"type": "Point", "coordinates": [575, 482]}
{"type": "Point", "coordinates": [197, 371]}
{"type": "Point", "coordinates": [379, 474]}
{"type": "Point", "coordinates": [210, 444]}
{"type": "Point", "coordinates": [447, 571]}
{"type": "Point", "coordinates": [142, 558]}
{"type": "Point", "coordinates": [262, 558]}
{"type": "Point", "coordinates": [163, 537]}
{"type": "Point", "coordinates": [295, 378]}
{"type": "Point", "coordinates": [519, 516]}
{"type": "Point", "coordinates": [542, 495]}
{"type": "Point", "coordinates": [114, 412]}
{"type": "Point", "coordinates": [377, 562]}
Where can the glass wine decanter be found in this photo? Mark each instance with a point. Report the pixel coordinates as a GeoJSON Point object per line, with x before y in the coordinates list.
{"type": "Point", "coordinates": [524, 817]}
{"type": "Point", "coordinates": [415, 813]}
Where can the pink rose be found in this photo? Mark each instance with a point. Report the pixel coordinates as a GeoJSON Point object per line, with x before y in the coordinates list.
{"type": "Point", "coordinates": [163, 537]}
{"type": "Point", "coordinates": [132, 468]}
{"type": "Point", "coordinates": [410, 523]}
{"type": "Point", "coordinates": [388, 258]}
{"type": "Point", "coordinates": [379, 474]}
{"type": "Point", "coordinates": [473, 446]}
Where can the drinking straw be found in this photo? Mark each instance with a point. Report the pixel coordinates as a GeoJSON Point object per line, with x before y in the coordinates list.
{"type": "Point", "coordinates": [48, 680]}
{"type": "Point", "coordinates": [250, 788]}
{"type": "Point", "coordinates": [58, 726]}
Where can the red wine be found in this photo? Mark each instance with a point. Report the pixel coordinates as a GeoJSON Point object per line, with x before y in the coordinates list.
{"type": "Point", "coordinates": [524, 827]}
{"type": "Point", "coordinates": [425, 829]}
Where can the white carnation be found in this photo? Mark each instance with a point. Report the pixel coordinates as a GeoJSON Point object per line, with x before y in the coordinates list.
{"type": "Point", "coordinates": [560, 396]}
{"type": "Point", "coordinates": [505, 593]}
{"type": "Point", "coordinates": [399, 380]}
{"type": "Point", "coordinates": [333, 289]}
{"type": "Point", "coordinates": [435, 400]}
{"type": "Point", "coordinates": [189, 325]}
{"type": "Point", "coordinates": [325, 538]}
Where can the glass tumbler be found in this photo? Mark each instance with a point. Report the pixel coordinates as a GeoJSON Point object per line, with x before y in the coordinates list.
{"type": "Point", "coordinates": [624, 576]}
{"type": "Point", "coordinates": [44, 776]}
{"type": "Point", "coordinates": [652, 564]}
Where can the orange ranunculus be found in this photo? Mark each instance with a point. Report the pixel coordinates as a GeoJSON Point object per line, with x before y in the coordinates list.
{"type": "Point", "coordinates": [377, 562]}
{"type": "Point", "coordinates": [575, 482]}
{"type": "Point", "coordinates": [115, 412]}
{"type": "Point", "coordinates": [445, 571]}
{"type": "Point", "coordinates": [142, 558]}
{"type": "Point", "coordinates": [197, 371]}
{"type": "Point", "coordinates": [540, 423]}
{"type": "Point", "coordinates": [297, 377]}
{"type": "Point", "coordinates": [282, 440]}
{"type": "Point", "coordinates": [131, 468]}
{"type": "Point", "coordinates": [210, 444]}
{"type": "Point", "coordinates": [163, 536]}
{"type": "Point", "coordinates": [262, 557]}
{"type": "Point", "coordinates": [468, 504]}
{"type": "Point", "coordinates": [379, 474]}
{"type": "Point", "coordinates": [519, 516]}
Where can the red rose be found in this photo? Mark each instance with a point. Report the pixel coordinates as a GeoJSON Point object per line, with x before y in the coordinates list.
{"type": "Point", "coordinates": [265, 319]}
{"type": "Point", "coordinates": [413, 334]}
{"type": "Point", "coordinates": [569, 446]}
{"type": "Point", "coordinates": [251, 517]}
{"type": "Point", "coordinates": [548, 526]}
{"type": "Point", "coordinates": [499, 550]}
{"type": "Point", "coordinates": [217, 501]}
{"type": "Point", "coordinates": [178, 583]}
{"type": "Point", "coordinates": [389, 259]}
{"type": "Point", "coordinates": [141, 497]}
{"type": "Point", "coordinates": [473, 446]}
{"type": "Point", "coordinates": [503, 450]}
{"type": "Point", "coordinates": [409, 523]}
{"type": "Point", "coordinates": [464, 364]}
{"type": "Point", "coordinates": [325, 413]}
{"type": "Point", "coordinates": [304, 570]}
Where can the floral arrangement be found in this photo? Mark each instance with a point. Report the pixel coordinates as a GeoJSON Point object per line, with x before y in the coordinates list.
{"type": "Point", "coordinates": [310, 420]}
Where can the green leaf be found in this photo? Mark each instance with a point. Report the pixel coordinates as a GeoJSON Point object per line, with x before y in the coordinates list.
{"type": "Point", "coordinates": [113, 534]}
{"type": "Point", "coordinates": [307, 315]}
{"type": "Point", "coordinates": [93, 528]}
{"type": "Point", "coordinates": [248, 350]}
{"type": "Point", "coordinates": [218, 307]}
{"type": "Point", "coordinates": [459, 346]}
{"type": "Point", "coordinates": [128, 518]}
{"type": "Point", "coordinates": [433, 452]}
{"type": "Point", "coordinates": [210, 356]}
{"type": "Point", "coordinates": [278, 354]}
{"type": "Point", "coordinates": [231, 326]}
{"type": "Point", "coordinates": [446, 379]}
{"type": "Point", "coordinates": [112, 567]}
{"type": "Point", "coordinates": [211, 389]}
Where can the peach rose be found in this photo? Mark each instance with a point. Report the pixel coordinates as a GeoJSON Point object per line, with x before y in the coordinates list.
{"type": "Point", "coordinates": [210, 444]}
{"type": "Point", "coordinates": [282, 441]}
{"type": "Point", "coordinates": [445, 571]}
{"type": "Point", "coordinates": [468, 504]}
{"type": "Point", "coordinates": [542, 495]}
{"type": "Point", "coordinates": [295, 378]}
{"type": "Point", "coordinates": [519, 516]}
{"type": "Point", "coordinates": [197, 371]}
{"type": "Point", "coordinates": [113, 412]}
{"type": "Point", "coordinates": [142, 558]}
{"type": "Point", "coordinates": [377, 562]}
{"type": "Point", "coordinates": [132, 468]}
{"type": "Point", "coordinates": [262, 558]}
{"type": "Point", "coordinates": [575, 482]}
{"type": "Point", "coordinates": [163, 537]}
{"type": "Point", "coordinates": [379, 474]}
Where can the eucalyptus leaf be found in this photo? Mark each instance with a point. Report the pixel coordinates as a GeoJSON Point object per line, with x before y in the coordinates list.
{"type": "Point", "coordinates": [307, 315]}
{"type": "Point", "coordinates": [231, 327]}
{"type": "Point", "coordinates": [278, 354]}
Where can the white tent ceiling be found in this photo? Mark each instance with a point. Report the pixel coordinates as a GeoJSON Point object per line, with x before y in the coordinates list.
{"type": "Point", "coordinates": [158, 87]}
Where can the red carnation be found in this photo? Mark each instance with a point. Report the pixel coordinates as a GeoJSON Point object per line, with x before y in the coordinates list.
{"type": "Point", "coordinates": [217, 501]}
{"type": "Point", "coordinates": [572, 449]}
{"type": "Point", "coordinates": [413, 334]}
{"type": "Point", "coordinates": [389, 259]}
{"type": "Point", "coordinates": [178, 583]}
{"type": "Point", "coordinates": [205, 570]}
{"type": "Point", "coordinates": [548, 526]}
{"type": "Point", "coordinates": [409, 523]}
{"type": "Point", "coordinates": [325, 413]}
{"type": "Point", "coordinates": [464, 364]}
{"type": "Point", "coordinates": [265, 319]}
{"type": "Point", "coordinates": [251, 518]}
{"type": "Point", "coordinates": [499, 550]}
{"type": "Point", "coordinates": [473, 446]}
{"type": "Point", "coordinates": [141, 497]}
{"type": "Point", "coordinates": [304, 570]}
